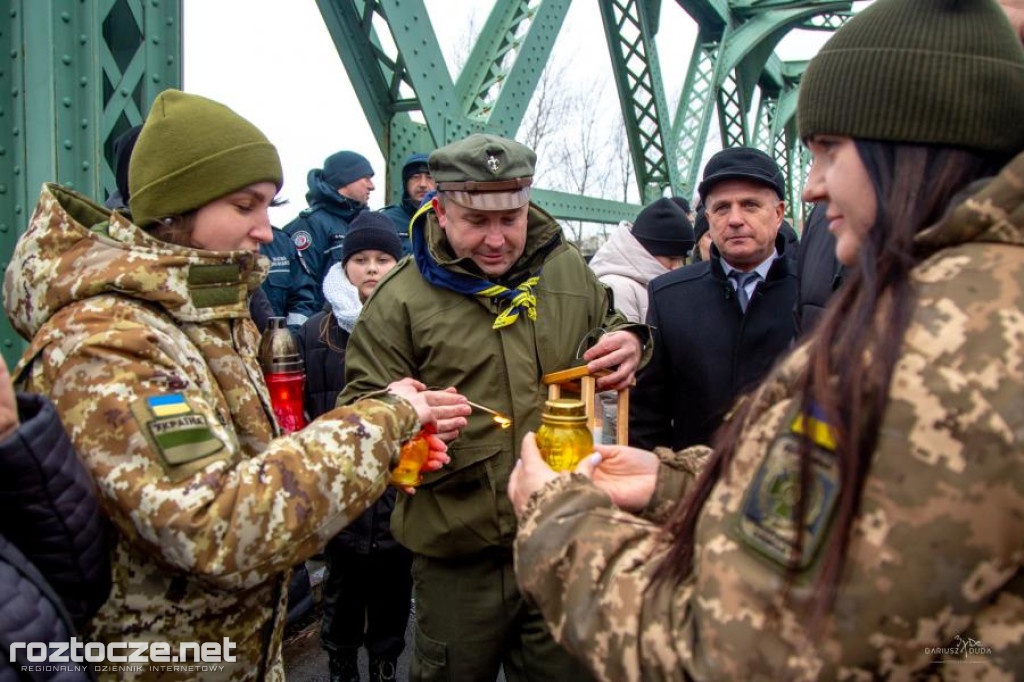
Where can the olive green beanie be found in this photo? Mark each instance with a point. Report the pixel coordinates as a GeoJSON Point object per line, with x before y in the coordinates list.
{"type": "Point", "coordinates": [944, 72]}
{"type": "Point", "coordinates": [192, 151]}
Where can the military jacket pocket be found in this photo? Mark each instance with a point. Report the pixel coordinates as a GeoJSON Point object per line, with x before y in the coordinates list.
{"type": "Point", "coordinates": [454, 511]}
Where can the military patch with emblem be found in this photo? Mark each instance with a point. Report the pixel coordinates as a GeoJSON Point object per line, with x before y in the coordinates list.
{"type": "Point", "coordinates": [767, 520]}
{"type": "Point", "coordinates": [493, 164]}
{"type": "Point", "coordinates": [302, 240]}
{"type": "Point", "coordinates": [177, 432]}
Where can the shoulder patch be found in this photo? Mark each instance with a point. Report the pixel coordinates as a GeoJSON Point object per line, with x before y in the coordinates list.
{"type": "Point", "coordinates": [177, 433]}
{"type": "Point", "coordinates": [302, 240]}
{"type": "Point", "coordinates": [767, 514]}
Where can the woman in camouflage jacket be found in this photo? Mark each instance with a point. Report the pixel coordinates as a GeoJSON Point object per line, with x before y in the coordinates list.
{"type": "Point", "coordinates": [862, 516]}
{"type": "Point", "coordinates": [142, 339]}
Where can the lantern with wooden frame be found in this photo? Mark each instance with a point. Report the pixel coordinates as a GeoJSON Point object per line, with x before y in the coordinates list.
{"type": "Point", "coordinates": [579, 381]}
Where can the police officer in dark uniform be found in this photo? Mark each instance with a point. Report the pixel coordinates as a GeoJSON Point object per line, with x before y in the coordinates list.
{"type": "Point", "coordinates": [338, 192]}
{"type": "Point", "coordinates": [289, 286]}
{"type": "Point", "coordinates": [416, 184]}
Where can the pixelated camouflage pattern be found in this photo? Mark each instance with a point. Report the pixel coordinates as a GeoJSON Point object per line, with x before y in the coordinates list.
{"type": "Point", "coordinates": [204, 548]}
{"type": "Point", "coordinates": [933, 586]}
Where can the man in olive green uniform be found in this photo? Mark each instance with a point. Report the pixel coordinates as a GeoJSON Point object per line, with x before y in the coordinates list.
{"type": "Point", "coordinates": [494, 299]}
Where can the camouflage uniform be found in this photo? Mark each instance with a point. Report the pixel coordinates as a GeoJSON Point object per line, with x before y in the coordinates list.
{"type": "Point", "coordinates": [147, 351]}
{"type": "Point", "coordinates": [933, 586]}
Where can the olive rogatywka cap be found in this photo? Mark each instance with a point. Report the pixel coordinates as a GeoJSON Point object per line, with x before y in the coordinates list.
{"type": "Point", "coordinates": [484, 172]}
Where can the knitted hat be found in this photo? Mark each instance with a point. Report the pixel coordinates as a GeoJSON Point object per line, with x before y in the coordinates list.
{"type": "Point", "coordinates": [946, 72]}
{"type": "Point", "coordinates": [414, 165]}
{"type": "Point", "coordinates": [344, 168]}
{"type": "Point", "coordinates": [742, 163]}
{"type": "Point", "coordinates": [368, 231]}
{"type": "Point", "coordinates": [682, 203]}
{"type": "Point", "coordinates": [700, 224]}
{"type": "Point", "coordinates": [123, 147]}
{"type": "Point", "coordinates": [663, 229]}
{"type": "Point", "coordinates": [192, 151]}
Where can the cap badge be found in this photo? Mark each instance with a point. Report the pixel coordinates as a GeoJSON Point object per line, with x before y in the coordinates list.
{"type": "Point", "coordinates": [493, 164]}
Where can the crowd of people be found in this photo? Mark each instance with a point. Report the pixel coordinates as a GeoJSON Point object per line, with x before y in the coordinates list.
{"type": "Point", "coordinates": [823, 479]}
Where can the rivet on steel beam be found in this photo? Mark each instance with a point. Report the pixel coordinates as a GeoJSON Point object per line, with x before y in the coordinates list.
{"type": "Point", "coordinates": [17, 210]}
{"type": "Point", "coordinates": [84, 123]}
{"type": "Point", "coordinates": [3, 189]}
{"type": "Point", "coordinates": [66, 102]}
{"type": "Point", "coordinates": [7, 342]}
{"type": "Point", "coordinates": [3, 228]}
{"type": "Point", "coordinates": [67, 144]}
{"type": "Point", "coordinates": [14, 54]}
{"type": "Point", "coordinates": [85, 165]}
{"type": "Point", "coordinates": [156, 78]}
{"type": "Point", "coordinates": [17, 170]}
{"type": "Point", "coordinates": [125, 92]}
{"type": "Point", "coordinates": [155, 40]}
{"type": "Point", "coordinates": [3, 152]}
{"type": "Point", "coordinates": [65, 17]}
{"type": "Point", "coordinates": [15, 131]}
{"type": "Point", "coordinates": [83, 81]}
{"type": "Point", "coordinates": [66, 59]}
{"type": "Point", "coordinates": [82, 39]}
{"type": "Point", "coordinates": [14, 92]}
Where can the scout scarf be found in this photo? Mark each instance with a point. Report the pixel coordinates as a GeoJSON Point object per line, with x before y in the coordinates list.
{"type": "Point", "coordinates": [520, 299]}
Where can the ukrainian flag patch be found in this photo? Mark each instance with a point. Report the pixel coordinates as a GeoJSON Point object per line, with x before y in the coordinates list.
{"type": "Point", "coordinates": [175, 431]}
{"type": "Point", "coordinates": [168, 405]}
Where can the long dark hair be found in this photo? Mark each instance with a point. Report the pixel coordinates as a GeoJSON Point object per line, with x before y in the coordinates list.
{"type": "Point", "coordinates": [913, 186]}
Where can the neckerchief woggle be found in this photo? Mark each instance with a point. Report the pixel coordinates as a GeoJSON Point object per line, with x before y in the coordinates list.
{"type": "Point", "coordinates": [521, 298]}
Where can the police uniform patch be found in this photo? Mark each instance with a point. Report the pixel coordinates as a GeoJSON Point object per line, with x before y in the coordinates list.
{"type": "Point", "coordinates": [302, 240]}
{"type": "Point", "coordinates": [177, 433]}
{"type": "Point", "coordinates": [767, 520]}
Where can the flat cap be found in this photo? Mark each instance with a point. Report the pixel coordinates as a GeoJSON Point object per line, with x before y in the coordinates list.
{"type": "Point", "coordinates": [742, 163]}
{"type": "Point", "coordinates": [484, 172]}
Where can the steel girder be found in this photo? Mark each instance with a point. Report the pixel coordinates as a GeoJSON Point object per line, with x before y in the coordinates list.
{"type": "Point", "coordinates": [629, 31]}
{"type": "Point", "coordinates": [77, 75]}
{"type": "Point", "coordinates": [732, 57]}
{"type": "Point", "coordinates": [733, 54]}
{"type": "Point", "coordinates": [491, 94]}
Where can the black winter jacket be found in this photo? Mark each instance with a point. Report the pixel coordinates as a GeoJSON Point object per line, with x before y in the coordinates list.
{"type": "Point", "coordinates": [325, 378]}
{"type": "Point", "coordinates": [818, 270]}
{"type": "Point", "coordinates": [706, 350]}
{"type": "Point", "coordinates": [54, 555]}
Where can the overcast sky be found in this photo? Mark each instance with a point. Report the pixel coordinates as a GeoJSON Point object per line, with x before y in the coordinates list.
{"type": "Point", "coordinates": [273, 62]}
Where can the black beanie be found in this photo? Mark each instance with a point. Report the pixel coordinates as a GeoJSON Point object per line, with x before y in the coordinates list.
{"type": "Point", "coordinates": [415, 164]}
{"type": "Point", "coordinates": [682, 203]}
{"type": "Point", "coordinates": [344, 168]}
{"type": "Point", "coordinates": [663, 229]}
{"type": "Point", "coordinates": [368, 231]}
{"type": "Point", "coordinates": [123, 146]}
{"type": "Point", "coordinates": [943, 72]}
{"type": "Point", "coordinates": [700, 225]}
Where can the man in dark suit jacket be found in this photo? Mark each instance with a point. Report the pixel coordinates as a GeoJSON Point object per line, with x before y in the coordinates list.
{"type": "Point", "coordinates": [719, 325]}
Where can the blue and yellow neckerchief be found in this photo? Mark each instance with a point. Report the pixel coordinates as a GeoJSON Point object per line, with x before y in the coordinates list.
{"type": "Point", "coordinates": [521, 298]}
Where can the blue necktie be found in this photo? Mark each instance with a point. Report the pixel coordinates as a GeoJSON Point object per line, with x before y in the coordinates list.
{"type": "Point", "coordinates": [742, 279]}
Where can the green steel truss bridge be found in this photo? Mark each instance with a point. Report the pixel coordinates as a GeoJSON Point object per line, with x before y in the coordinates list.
{"type": "Point", "coordinates": [76, 73]}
